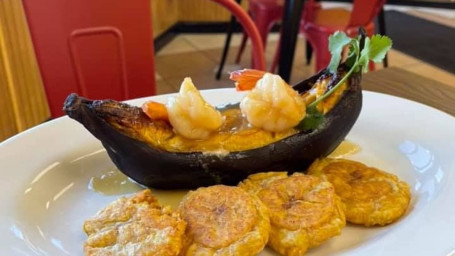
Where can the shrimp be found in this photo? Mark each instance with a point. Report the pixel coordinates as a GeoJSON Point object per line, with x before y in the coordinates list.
{"type": "Point", "coordinates": [155, 110]}
{"type": "Point", "coordinates": [246, 79]}
{"type": "Point", "coordinates": [272, 104]}
{"type": "Point", "coordinates": [190, 115]}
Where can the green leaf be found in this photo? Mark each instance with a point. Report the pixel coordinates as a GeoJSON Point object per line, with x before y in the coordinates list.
{"type": "Point", "coordinates": [337, 42]}
{"type": "Point", "coordinates": [379, 45]}
{"type": "Point", "coordinates": [312, 121]}
{"type": "Point", "coordinates": [374, 49]}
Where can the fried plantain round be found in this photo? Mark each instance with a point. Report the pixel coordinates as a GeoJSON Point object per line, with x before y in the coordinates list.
{"type": "Point", "coordinates": [372, 197]}
{"type": "Point", "coordinates": [135, 226]}
{"type": "Point", "coordinates": [224, 220]}
{"type": "Point", "coordinates": [304, 210]}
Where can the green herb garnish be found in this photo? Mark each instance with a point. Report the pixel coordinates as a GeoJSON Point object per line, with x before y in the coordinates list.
{"type": "Point", "coordinates": [337, 41]}
{"type": "Point", "coordinates": [374, 49]}
{"type": "Point", "coordinates": [313, 119]}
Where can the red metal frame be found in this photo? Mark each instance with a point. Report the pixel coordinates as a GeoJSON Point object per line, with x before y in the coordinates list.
{"type": "Point", "coordinates": [251, 29]}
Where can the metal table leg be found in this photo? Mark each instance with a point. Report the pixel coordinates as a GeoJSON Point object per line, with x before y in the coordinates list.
{"type": "Point", "coordinates": [230, 30]}
{"type": "Point", "coordinates": [289, 30]}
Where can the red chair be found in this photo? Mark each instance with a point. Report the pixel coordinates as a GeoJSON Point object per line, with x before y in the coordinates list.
{"type": "Point", "coordinates": [317, 25]}
{"type": "Point", "coordinates": [96, 48]}
{"type": "Point", "coordinates": [102, 48]}
{"type": "Point", "coordinates": [265, 14]}
{"type": "Point", "coordinates": [251, 31]}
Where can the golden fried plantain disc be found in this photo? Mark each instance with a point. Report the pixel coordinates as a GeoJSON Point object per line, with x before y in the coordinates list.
{"type": "Point", "coordinates": [137, 226]}
{"type": "Point", "coordinates": [224, 220]}
{"type": "Point", "coordinates": [372, 197]}
{"type": "Point", "coordinates": [304, 210]}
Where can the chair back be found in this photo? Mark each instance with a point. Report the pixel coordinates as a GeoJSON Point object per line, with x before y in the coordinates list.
{"type": "Point", "coordinates": [96, 48]}
{"type": "Point", "coordinates": [364, 11]}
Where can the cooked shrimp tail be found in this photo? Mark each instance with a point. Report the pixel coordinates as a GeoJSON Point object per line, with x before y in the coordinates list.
{"type": "Point", "coordinates": [155, 110]}
{"type": "Point", "coordinates": [246, 79]}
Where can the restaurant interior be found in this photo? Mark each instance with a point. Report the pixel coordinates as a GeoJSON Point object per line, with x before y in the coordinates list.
{"type": "Point", "coordinates": [48, 50]}
{"type": "Point", "coordinates": [227, 127]}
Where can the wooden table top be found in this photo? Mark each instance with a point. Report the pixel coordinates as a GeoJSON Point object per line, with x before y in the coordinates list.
{"type": "Point", "coordinates": [399, 82]}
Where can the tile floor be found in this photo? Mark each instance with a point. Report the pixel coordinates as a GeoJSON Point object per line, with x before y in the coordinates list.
{"type": "Point", "coordinates": [198, 55]}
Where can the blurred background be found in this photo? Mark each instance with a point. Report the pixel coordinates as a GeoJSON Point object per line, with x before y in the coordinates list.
{"type": "Point", "coordinates": [127, 49]}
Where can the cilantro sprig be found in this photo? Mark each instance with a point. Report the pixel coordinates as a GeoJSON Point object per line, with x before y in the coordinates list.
{"type": "Point", "coordinates": [374, 49]}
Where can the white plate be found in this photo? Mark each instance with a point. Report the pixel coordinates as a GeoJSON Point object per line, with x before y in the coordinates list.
{"type": "Point", "coordinates": [45, 174]}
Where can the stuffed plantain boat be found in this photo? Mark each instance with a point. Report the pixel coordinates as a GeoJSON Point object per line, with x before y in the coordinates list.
{"type": "Point", "coordinates": [165, 149]}
{"type": "Point", "coordinates": [122, 128]}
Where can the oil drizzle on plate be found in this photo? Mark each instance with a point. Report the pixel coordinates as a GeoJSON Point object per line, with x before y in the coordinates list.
{"type": "Point", "coordinates": [113, 182]}
{"type": "Point", "coordinates": [169, 197]}
{"type": "Point", "coordinates": [345, 148]}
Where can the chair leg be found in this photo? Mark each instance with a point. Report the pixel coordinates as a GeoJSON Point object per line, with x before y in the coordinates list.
{"type": "Point", "coordinates": [276, 57]}
{"type": "Point", "coordinates": [230, 30]}
{"type": "Point", "coordinates": [308, 52]}
{"type": "Point", "coordinates": [263, 24]}
{"type": "Point", "coordinates": [381, 23]}
{"type": "Point", "coordinates": [242, 48]}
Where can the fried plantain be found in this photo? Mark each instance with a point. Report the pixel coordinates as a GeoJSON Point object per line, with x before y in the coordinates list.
{"type": "Point", "coordinates": [304, 210]}
{"type": "Point", "coordinates": [136, 226]}
{"type": "Point", "coordinates": [224, 220]}
{"type": "Point", "coordinates": [372, 197]}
